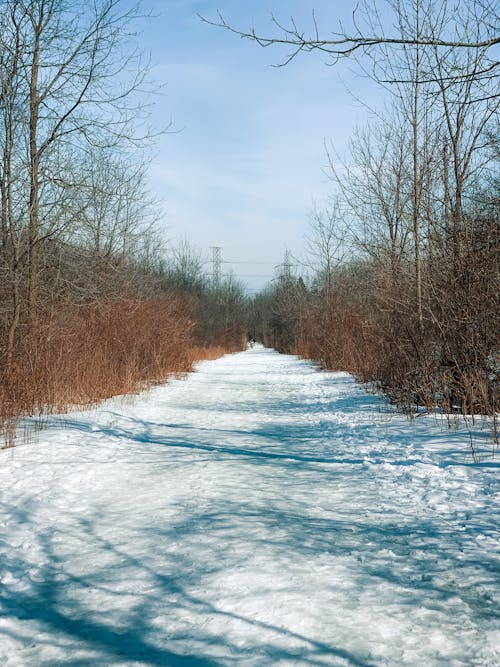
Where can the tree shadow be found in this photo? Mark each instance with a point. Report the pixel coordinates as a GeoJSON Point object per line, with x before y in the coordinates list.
{"type": "Point", "coordinates": [110, 609]}
{"type": "Point", "coordinates": [282, 442]}
{"type": "Point", "coordinates": [145, 597]}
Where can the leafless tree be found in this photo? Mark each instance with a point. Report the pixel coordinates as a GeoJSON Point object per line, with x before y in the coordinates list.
{"type": "Point", "coordinates": [325, 243]}
{"type": "Point", "coordinates": [374, 182]}
{"type": "Point", "coordinates": [70, 91]}
{"type": "Point", "coordinates": [185, 267]}
{"type": "Point", "coordinates": [411, 189]}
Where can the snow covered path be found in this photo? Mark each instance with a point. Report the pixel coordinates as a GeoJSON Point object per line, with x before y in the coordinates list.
{"type": "Point", "coordinates": [258, 512]}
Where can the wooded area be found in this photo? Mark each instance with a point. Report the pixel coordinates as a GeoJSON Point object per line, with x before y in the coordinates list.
{"type": "Point", "coordinates": [90, 306]}
{"type": "Point", "coordinates": [405, 258]}
{"type": "Point", "coordinates": [400, 281]}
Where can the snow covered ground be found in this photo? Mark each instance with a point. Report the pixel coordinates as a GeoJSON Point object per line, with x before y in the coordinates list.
{"type": "Point", "coordinates": [257, 512]}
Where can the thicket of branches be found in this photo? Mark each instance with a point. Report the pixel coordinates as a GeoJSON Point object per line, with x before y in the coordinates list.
{"type": "Point", "coordinates": [89, 307]}
{"type": "Point", "coordinates": [220, 306]}
{"type": "Point", "coordinates": [405, 284]}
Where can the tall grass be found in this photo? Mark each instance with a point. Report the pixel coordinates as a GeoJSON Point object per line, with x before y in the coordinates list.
{"type": "Point", "coordinates": [83, 355]}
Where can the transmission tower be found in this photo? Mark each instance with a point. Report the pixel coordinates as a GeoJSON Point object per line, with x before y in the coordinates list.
{"type": "Point", "coordinates": [287, 267]}
{"type": "Point", "coordinates": [216, 265]}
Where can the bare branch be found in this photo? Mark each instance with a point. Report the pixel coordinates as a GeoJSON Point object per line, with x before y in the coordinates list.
{"type": "Point", "coordinates": [340, 45]}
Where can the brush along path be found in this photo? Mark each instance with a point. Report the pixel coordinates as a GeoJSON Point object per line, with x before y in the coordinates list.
{"type": "Point", "coordinates": [257, 512]}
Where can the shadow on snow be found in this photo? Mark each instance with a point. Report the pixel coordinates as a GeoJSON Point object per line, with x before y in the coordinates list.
{"type": "Point", "coordinates": [133, 638]}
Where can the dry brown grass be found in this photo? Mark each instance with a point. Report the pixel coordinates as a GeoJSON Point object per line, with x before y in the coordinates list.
{"type": "Point", "coordinates": [211, 352]}
{"type": "Point", "coordinates": [336, 335]}
{"type": "Point", "coordinates": [85, 355]}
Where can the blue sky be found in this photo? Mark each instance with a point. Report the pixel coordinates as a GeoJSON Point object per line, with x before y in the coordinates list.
{"type": "Point", "coordinates": [245, 165]}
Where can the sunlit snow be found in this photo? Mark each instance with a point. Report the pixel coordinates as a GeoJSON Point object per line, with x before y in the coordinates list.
{"type": "Point", "coordinates": [257, 512]}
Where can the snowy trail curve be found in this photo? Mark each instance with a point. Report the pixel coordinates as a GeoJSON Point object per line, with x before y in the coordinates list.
{"type": "Point", "coordinates": [257, 512]}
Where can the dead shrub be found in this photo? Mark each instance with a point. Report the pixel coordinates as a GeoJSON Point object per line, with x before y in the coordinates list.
{"type": "Point", "coordinates": [84, 355]}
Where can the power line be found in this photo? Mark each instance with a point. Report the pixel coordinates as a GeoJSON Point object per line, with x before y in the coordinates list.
{"type": "Point", "coordinates": [229, 261]}
{"type": "Point", "coordinates": [252, 275]}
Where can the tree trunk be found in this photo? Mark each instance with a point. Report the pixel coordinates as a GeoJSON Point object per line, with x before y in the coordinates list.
{"type": "Point", "coordinates": [33, 229]}
{"type": "Point", "coordinates": [417, 184]}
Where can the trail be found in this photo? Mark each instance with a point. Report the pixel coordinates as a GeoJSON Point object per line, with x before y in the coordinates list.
{"type": "Point", "coordinates": [256, 512]}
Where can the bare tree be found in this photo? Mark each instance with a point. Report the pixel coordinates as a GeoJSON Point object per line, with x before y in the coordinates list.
{"type": "Point", "coordinates": [68, 67]}
{"type": "Point", "coordinates": [374, 182]}
{"type": "Point", "coordinates": [325, 243]}
{"type": "Point", "coordinates": [411, 188]}
{"type": "Point", "coordinates": [113, 211]}
{"type": "Point", "coordinates": [12, 47]}
{"type": "Point", "coordinates": [185, 270]}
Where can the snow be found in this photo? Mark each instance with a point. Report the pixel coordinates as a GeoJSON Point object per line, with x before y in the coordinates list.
{"type": "Point", "coordinates": [256, 512]}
